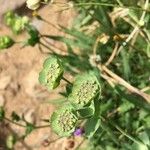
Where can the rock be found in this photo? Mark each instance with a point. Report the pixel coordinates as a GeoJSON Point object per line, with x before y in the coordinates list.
{"type": "Point", "coordinates": [4, 81]}
{"type": "Point", "coordinates": [2, 100]}
{"type": "Point", "coordinates": [30, 116]}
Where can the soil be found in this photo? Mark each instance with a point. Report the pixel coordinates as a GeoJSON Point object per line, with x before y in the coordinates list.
{"type": "Point", "coordinates": [20, 90]}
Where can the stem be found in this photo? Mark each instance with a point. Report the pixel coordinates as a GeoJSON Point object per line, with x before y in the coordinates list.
{"type": "Point", "coordinates": [47, 47]}
{"type": "Point", "coordinates": [15, 123]}
{"type": "Point", "coordinates": [24, 126]}
{"type": "Point", "coordinates": [77, 148]}
{"type": "Point", "coordinates": [121, 81]}
{"type": "Point", "coordinates": [66, 80]}
{"type": "Point", "coordinates": [127, 135]}
{"type": "Point", "coordinates": [44, 126]}
{"type": "Point", "coordinates": [122, 131]}
{"type": "Point", "coordinates": [110, 5]}
{"type": "Point", "coordinates": [48, 22]}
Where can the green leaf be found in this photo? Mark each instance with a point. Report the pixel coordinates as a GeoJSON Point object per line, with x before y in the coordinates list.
{"type": "Point", "coordinates": [87, 111]}
{"type": "Point", "coordinates": [15, 116]}
{"type": "Point", "coordinates": [2, 113]}
{"type": "Point", "coordinates": [29, 128]}
{"type": "Point", "coordinates": [126, 64]}
{"type": "Point", "coordinates": [137, 100]}
{"type": "Point", "coordinates": [92, 126]}
{"type": "Point", "coordinates": [125, 106]}
{"type": "Point", "coordinates": [10, 141]}
{"type": "Point", "coordinates": [34, 35]}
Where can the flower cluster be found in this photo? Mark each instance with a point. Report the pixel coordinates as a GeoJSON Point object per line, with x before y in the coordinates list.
{"type": "Point", "coordinates": [52, 72]}
{"type": "Point", "coordinates": [35, 4]}
{"type": "Point", "coordinates": [86, 87]}
{"type": "Point", "coordinates": [64, 120]}
{"type": "Point", "coordinates": [5, 42]}
{"type": "Point", "coordinates": [15, 22]}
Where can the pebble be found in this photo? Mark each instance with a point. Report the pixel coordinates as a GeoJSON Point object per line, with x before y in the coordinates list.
{"type": "Point", "coordinates": [30, 116]}
{"type": "Point", "coordinates": [2, 100]}
{"type": "Point", "coordinates": [4, 81]}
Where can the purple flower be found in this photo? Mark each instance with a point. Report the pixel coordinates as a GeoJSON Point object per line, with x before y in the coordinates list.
{"type": "Point", "coordinates": [78, 132]}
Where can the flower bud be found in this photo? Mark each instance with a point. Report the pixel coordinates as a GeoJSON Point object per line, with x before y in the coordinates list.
{"type": "Point", "coordinates": [9, 18]}
{"type": "Point", "coordinates": [5, 42]}
{"type": "Point", "coordinates": [33, 4]}
{"type": "Point", "coordinates": [85, 88]}
{"type": "Point", "coordinates": [63, 121]}
{"type": "Point", "coordinates": [15, 22]}
{"type": "Point", "coordinates": [52, 72]}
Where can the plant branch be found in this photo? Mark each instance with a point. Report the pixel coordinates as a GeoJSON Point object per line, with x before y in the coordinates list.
{"type": "Point", "coordinates": [66, 80]}
{"type": "Point", "coordinates": [24, 126]}
{"type": "Point", "coordinates": [122, 82]}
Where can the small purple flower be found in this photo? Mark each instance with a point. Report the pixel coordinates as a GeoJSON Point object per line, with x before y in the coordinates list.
{"type": "Point", "coordinates": [78, 132]}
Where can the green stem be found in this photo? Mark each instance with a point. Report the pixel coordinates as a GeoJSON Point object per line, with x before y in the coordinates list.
{"type": "Point", "coordinates": [123, 132]}
{"type": "Point", "coordinates": [15, 123]}
{"type": "Point", "coordinates": [24, 126]}
{"type": "Point", "coordinates": [66, 80]}
{"type": "Point", "coordinates": [127, 135]}
{"type": "Point", "coordinates": [47, 47]}
{"type": "Point", "coordinates": [109, 5]}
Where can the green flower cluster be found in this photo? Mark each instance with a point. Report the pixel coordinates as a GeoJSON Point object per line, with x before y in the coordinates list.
{"type": "Point", "coordinates": [63, 121]}
{"type": "Point", "coordinates": [85, 89]}
{"type": "Point", "coordinates": [51, 73]}
{"type": "Point", "coordinates": [5, 42]}
{"type": "Point", "coordinates": [16, 22]}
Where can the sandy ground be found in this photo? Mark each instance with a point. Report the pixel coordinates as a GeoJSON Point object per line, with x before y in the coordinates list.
{"type": "Point", "coordinates": [19, 87]}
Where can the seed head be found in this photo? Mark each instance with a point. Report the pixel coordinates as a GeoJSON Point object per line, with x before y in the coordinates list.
{"type": "Point", "coordinates": [85, 88]}
{"type": "Point", "coordinates": [63, 121]}
{"type": "Point", "coordinates": [52, 72]}
{"type": "Point", "coordinates": [33, 4]}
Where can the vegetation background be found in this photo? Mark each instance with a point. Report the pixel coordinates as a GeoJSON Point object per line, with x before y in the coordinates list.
{"type": "Point", "coordinates": [112, 35]}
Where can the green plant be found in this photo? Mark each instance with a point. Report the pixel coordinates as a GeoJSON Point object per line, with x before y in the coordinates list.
{"type": "Point", "coordinates": [109, 98]}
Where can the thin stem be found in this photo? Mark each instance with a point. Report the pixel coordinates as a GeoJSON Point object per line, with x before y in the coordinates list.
{"type": "Point", "coordinates": [15, 123]}
{"type": "Point", "coordinates": [110, 5]}
{"type": "Point", "coordinates": [47, 47]}
{"type": "Point", "coordinates": [77, 148]}
{"type": "Point", "coordinates": [48, 22]}
{"type": "Point", "coordinates": [66, 80]}
{"type": "Point", "coordinates": [24, 126]}
{"type": "Point", "coordinates": [43, 126]}
{"type": "Point", "coordinates": [122, 82]}
{"type": "Point", "coordinates": [127, 135]}
{"type": "Point", "coordinates": [122, 131]}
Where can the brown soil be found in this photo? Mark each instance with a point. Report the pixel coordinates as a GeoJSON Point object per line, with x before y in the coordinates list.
{"type": "Point", "coordinates": [19, 87]}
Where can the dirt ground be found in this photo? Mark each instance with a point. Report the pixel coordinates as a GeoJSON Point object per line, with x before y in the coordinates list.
{"type": "Point", "coordinates": [19, 87]}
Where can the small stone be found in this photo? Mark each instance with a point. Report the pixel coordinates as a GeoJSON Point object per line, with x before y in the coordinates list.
{"type": "Point", "coordinates": [30, 116]}
{"type": "Point", "coordinates": [2, 100]}
{"type": "Point", "coordinates": [4, 81]}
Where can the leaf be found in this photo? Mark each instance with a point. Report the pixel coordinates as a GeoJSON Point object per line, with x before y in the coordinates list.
{"type": "Point", "coordinates": [87, 111]}
{"type": "Point", "coordinates": [10, 141]}
{"type": "Point", "coordinates": [15, 116]}
{"type": "Point", "coordinates": [126, 64]}
{"type": "Point", "coordinates": [125, 106]}
{"type": "Point", "coordinates": [92, 126]}
{"type": "Point", "coordinates": [137, 100]}
{"type": "Point", "coordinates": [2, 114]}
{"type": "Point", "coordinates": [145, 139]}
{"type": "Point", "coordinates": [29, 128]}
